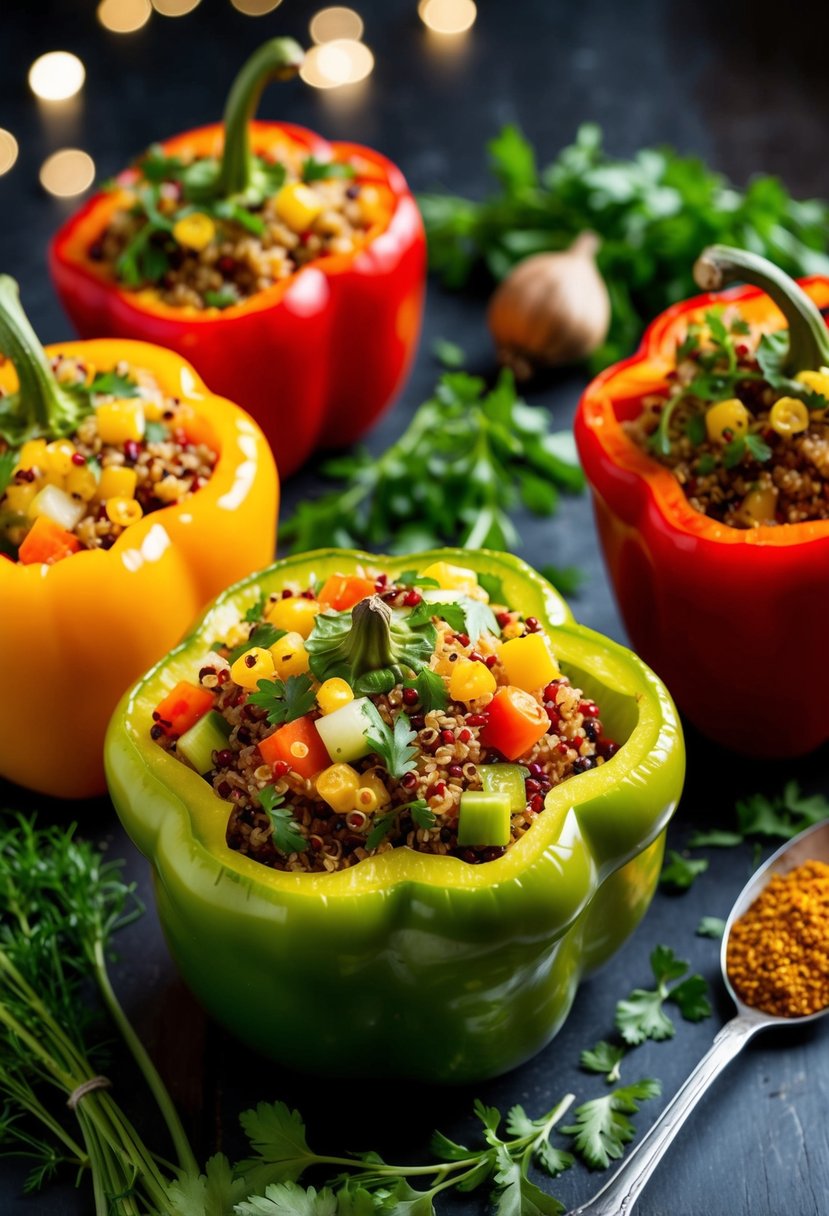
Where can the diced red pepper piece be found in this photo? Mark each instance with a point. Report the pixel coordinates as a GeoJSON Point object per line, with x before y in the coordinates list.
{"type": "Point", "coordinates": [343, 591]}
{"type": "Point", "coordinates": [47, 542]}
{"type": "Point", "coordinates": [298, 744]}
{"type": "Point", "coordinates": [516, 722]}
{"type": "Point", "coordinates": [182, 708]}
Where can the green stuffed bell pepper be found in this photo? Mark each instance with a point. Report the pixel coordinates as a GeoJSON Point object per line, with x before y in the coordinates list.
{"type": "Point", "coordinates": [408, 963]}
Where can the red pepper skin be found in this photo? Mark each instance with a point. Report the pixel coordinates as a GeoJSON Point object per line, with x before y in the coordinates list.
{"type": "Point", "coordinates": [317, 357]}
{"type": "Point", "coordinates": [733, 620]}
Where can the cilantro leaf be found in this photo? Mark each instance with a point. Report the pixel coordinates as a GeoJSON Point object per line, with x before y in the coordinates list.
{"type": "Point", "coordinates": [263, 635]}
{"type": "Point", "coordinates": [604, 1058]}
{"type": "Point", "coordinates": [757, 448]}
{"type": "Point", "coordinates": [394, 745]}
{"type": "Point", "coordinates": [783, 816]}
{"type": "Point", "coordinates": [155, 432]}
{"type": "Point", "coordinates": [602, 1129]}
{"type": "Point", "coordinates": [479, 618]}
{"type": "Point", "coordinates": [695, 429]}
{"type": "Point", "coordinates": [314, 170]}
{"type": "Point", "coordinates": [451, 612]}
{"type": "Point", "coordinates": [641, 1015]}
{"type": "Point", "coordinates": [422, 814]}
{"type": "Point", "coordinates": [212, 1193]}
{"type": "Point", "coordinates": [411, 578]}
{"type": "Point", "coordinates": [256, 610]}
{"type": "Point", "coordinates": [715, 838]}
{"type": "Point", "coordinates": [771, 354]}
{"type": "Point", "coordinates": [225, 298]}
{"type": "Point", "coordinates": [113, 384]}
{"type": "Point", "coordinates": [287, 837]}
{"type": "Point", "coordinates": [290, 1199]}
{"type": "Point", "coordinates": [448, 353]}
{"type": "Point", "coordinates": [431, 690]}
{"type": "Point", "coordinates": [381, 827]}
{"type": "Point", "coordinates": [680, 871]}
{"type": "Point", "coordinates": [711, 926]}
{"type": "Point", "coordinates": [285, 701]}
{"type": "Point", "coordinates": [277, 1135]}
{"type": "Point", "coordinates": [517, 1196]}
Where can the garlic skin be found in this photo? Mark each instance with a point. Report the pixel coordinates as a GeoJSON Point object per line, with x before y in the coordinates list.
{"type": "Point", "coordinates": [552, 309]}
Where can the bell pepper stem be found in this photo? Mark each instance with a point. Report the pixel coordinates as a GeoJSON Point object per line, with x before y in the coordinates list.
{"type": "Point", "coordinates": [808, 336]}
{"type": "Point", "coordinates": [41, 407]}
{"type": "Point", "coordinates": [370, 636]}
{"type": "Point", "coordinates": [277, 59]}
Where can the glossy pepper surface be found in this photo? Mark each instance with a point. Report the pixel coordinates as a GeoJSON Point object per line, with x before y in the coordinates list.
{"type": "Point", "coordinates": [314, 358]}
{"type": "Point", "coordinates": [74, 634]}
{"type": "Point", "coordinates": [732, 619]}
{"type": "Point", "coordinates": [407, 963]}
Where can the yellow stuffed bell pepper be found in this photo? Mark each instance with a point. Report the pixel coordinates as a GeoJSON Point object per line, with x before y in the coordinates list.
{"type": "Point", "coordinates": [83, 613]}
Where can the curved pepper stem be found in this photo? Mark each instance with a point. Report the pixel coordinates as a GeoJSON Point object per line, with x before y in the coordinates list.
{"type": "Point", "coordinates": [719, 265]}
{"type": "Point", "coordinates": [41, 407]}
{"type": "Point", "coordinates": [369, 643]}
{"type": "Point", "coordinates": [277, 59]}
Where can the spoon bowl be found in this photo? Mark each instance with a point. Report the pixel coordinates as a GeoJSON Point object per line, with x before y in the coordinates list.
{"type": "Point", "coordinates": [619, 1195]}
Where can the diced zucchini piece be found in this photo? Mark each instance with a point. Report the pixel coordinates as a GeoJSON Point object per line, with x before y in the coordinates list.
{"type": "Point", "coordinates": [344, 732]}
{"type": "Point", "coordinates": [209, 735]}
{"type": "Point", "coordinates": [484, 819]}
{"type": "Point", "coordinates": [506, 779]}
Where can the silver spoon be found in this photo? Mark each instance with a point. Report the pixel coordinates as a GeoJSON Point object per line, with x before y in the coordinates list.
{"type": "Point", "coordinates": [624, 1188]}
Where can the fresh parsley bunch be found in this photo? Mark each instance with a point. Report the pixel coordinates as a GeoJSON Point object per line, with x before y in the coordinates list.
{"type": "Point", "coordinates": [653, 213]}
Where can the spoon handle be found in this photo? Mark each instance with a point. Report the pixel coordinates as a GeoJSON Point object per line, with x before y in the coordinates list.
{"type": "Point", "coordinates": [619, 1195]}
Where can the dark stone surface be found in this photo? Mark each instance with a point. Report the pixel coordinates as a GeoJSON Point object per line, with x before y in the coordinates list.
{"type": "Point", "coordinates": [713, 79]}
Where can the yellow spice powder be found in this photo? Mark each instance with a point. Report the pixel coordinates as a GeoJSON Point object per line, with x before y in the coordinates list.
{"type": "Point", "coordinates": [778, 952]}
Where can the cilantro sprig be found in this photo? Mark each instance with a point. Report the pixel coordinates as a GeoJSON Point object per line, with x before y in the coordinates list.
{"type": "Point", "coordinates": [421, 814]}
{"type": "Point", "coordinates": [602, 1127]}
{"type": "Point", "coordinates": [454, 476]}
{"type": "Point", "coordinates": [287, 837]}
{"type": "Point", "coordinates": [393, 744]}
{"type": "Point", "coordinates": [285, 700]}
{"type": "Point", "coordinates": [641, 1015]}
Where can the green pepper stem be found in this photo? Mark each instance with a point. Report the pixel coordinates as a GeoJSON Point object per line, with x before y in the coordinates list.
{"type": "Point", "coordinates": [277, 59]}
{"type": "Point", "coordinates": [369, 642]}
{"type": "Point", "coordinates": [808, 337]}
{"type": "Point", "coordinates": [41, 407]}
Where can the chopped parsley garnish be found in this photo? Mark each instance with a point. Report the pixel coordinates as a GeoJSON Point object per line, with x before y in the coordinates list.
{"type": "Point", "coordinates": [287, 837]}
{"type": "Point", "coordinates": [394, 745]}
{"type": "Point", "coordinates": [431, 690]}
{"type": "Point", "coordinates": [113, 384]}
{"type": "Point", "coordinates": [421, 814]}
{"type": "Point", "coordinates": [285, 700]}
{"type": "Point", "coordinates": [314, 170]}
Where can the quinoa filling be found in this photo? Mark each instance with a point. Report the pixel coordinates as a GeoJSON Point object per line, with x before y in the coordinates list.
{"type": "Point", "coordinates": [130, 455]}
{"type": "Point", "coordinates": [196, 251]}
{"type": "Point", "coordinates": [748, 445]}
{"type": "Point", "coordinates": [371, 713]}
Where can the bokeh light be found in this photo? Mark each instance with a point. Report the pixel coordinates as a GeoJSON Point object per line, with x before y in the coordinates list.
{"type": "Point", "coordinates": [67, 172]}
{"type": "Point", "coordinates": [255, 8]}
{"type": "Point", "coordinates": [124, 16]}
{"type": "Point", "coordinates": [56, 76]}
{"type": "Point", "coordinates": [175, 8]}
{"type": "Point", "coordinates": [332, 64]}
{"type": "Point", "coordinates": [448, 16]}
{"type": "Point", "coordinates": [8, 151]}
{"type": "Point", "coordinates": [336, 22]}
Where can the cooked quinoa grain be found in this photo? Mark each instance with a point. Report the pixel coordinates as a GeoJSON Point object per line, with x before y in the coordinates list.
{"type": "Point", "coordinates": [745, 453]}
{"type": "Point", "coordinates": [313, 810]}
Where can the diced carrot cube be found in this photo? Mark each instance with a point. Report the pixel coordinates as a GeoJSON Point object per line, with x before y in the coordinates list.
{"type": "Point", "coordinates": [343, 591]}
{"type": "Point", "coordinates": [182, 708]}
{"type": "Point", "coordinates": [298, 744]}
{"type": "Point", "coordinates": [47, 542]}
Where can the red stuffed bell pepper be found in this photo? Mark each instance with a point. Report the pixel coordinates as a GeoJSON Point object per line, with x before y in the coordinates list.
{"type": "Point", "coordinates": [731, 617]}
{"type": "Point", "coordinates": [240, 255]}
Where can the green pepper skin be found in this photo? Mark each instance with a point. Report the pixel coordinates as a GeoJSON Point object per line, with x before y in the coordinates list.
{"type": "Point", "coordinates": [407, 964]}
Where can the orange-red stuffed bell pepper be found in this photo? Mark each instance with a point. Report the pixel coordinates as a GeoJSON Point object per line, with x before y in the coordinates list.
{"type": "Point", "coordinates": [129, 495]}
{"type": "Point", "coordinates": [314, 343]}
{"type": "Point", "coordinates": [732, 618]}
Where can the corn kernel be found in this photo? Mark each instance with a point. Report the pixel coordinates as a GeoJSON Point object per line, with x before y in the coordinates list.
{"type": "Point", "coordinates": [254, 665]}
{"type": "Point", "coordinates": [120, 420]}
{"type": "Point", "coordinates": [123, 511]}
{"type": "Point", "coordinates": [82, 483]}
{"type": "Point", "coordinates": [117, 482]}
{"type": "Point", "coordinates": [528, 662]}
{"type": "Point", "coordinates": [726, 420]}
{"type": "Point", "coordinates": [333, 694]}
{"type": "Point", "coordinates": [295, 615]}
{"type": "Point", "coordinates": [372, 208]}
{"type": "Point", "coordinates": [788, 416]}
{"type": "Point", "coordinates": [377, 786]}
{"type": "Point", "coordinates": [57, 460]}
{"type": "Point", "coordinates": [32, 454]}
{"type": "Point", "coordinates": [194, 231]}
{"type": "Point", "coordinates": [298, 206]}
{"type": "Point", "coordinates": [818, 382]}
{"type": "Point", "coordinates": [453, 578]}
{"type": "Point", "coordinates": [290, 658]}
{"type": "Point", "coordinates": [366, 799]}
{"type": "Point", "coordinates": [759, 506]}
{"type": "Point", "coordinates": [470, 680]}
{"type": "Point", "coordinates": [338, 785]}
{"type": "Point", "coordinates": [18, 497]}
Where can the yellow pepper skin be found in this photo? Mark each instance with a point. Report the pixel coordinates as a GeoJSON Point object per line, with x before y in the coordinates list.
{"type": "Point", "coordinates": [73, 635]}
{"type": "Point", "coordinates": [472, 967]}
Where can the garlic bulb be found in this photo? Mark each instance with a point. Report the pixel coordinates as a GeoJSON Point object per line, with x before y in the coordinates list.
{"type": "Point", "coordinates": [553, 308]}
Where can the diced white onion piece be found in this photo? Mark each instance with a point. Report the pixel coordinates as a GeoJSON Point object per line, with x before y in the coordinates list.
{"type": "Point", "coordinates": [58, 506]}
{"type": "Point", "coordinates": [436, 595]}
